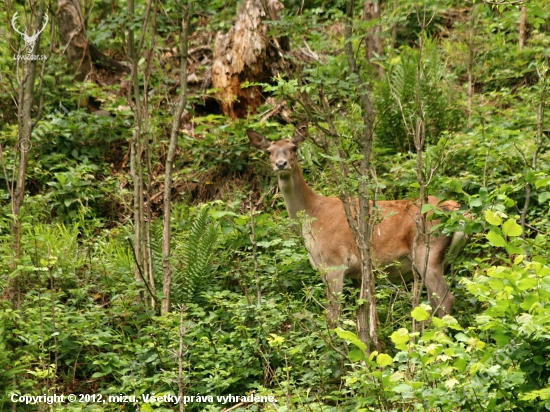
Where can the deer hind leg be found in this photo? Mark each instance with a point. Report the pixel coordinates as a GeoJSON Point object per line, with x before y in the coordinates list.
{"type": "Point", "coordinates": [441, 298]}
{"type": "Point", "coordinates": [334, 281]}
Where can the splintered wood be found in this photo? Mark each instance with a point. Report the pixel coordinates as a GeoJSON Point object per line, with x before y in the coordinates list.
{"type": "Point", "coordinates": [246, 53]}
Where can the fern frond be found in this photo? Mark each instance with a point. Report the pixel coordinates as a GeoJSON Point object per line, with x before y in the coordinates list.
{"type": "Point", "coordinates": [197, 253]}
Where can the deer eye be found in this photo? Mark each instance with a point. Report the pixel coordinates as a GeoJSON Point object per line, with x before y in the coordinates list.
{"type": "Point", "coordinates": [268, 152]}
{"type": "Point", "coordinates": [294, 148]}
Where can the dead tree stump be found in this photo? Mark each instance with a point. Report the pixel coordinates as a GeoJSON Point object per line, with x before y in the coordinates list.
{"type": "Point", "coordinates": [246, 53]}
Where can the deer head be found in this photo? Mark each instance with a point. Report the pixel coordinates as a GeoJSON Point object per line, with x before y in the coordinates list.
{"type": "Point", "coordinates": [282, 153]}
{"type": "Point", "coordinates": [30, 41]}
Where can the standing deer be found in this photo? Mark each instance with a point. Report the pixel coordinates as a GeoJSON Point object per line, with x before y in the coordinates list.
{"type": "Point", "coordinates": [330, 242]}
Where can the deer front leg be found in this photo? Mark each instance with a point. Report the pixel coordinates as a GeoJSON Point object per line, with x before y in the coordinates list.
{"type": "Point", "coordinates": [441, 298]}
{"type": "Point", "coordinates": [334, 281]}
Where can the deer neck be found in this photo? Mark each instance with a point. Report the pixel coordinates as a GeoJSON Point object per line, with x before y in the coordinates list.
{"type": "Point", "coordinates": [299, 197]}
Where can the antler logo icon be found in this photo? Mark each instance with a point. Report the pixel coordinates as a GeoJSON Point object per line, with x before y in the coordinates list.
{"type": "Point", "coordinates": [30, 41]}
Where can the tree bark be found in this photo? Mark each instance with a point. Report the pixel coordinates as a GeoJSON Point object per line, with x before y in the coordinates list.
{"type": "Point", "coordinates": [166, 265]}
{"type": "Point", "coordinates": [373, 39]}
{"type": "Point", "coordinates": [25, 128]}
{"type": "Point", "coordinates": [367, 317]}
{"type": "Point", "coordinates": [246, 53]}
{"type": "Point", "coordinates": [72, 37]}
{"type": "Point", "coordinates": [81, 55]}
{"type": "Point", "coordinates": [522, 20]}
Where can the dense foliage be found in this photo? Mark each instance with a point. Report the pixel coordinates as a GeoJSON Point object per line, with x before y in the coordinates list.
{"type": "Point", "coordinates": [249, 312]}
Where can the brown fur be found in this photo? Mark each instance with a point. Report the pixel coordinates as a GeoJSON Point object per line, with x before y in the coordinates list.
{"type": "Point", "coordinates": [330, 242]}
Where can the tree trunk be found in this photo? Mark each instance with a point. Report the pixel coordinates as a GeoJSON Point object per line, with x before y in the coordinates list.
{"type": "Point", "coordinates": [367, 316]}
{"type": "Point", "coordinates": [81, 55]}
{"type": "Point", "coordinates": [373, 39]}
{"type": "Point", "coordinates": [166, 265]}
{"type": "Point", "coordinates": [25, 128]}
{"type": "Point", "coordinates": [72, 38]}
{"type": "Point", "coordinates": [245, 53]}
{"type": "Point", "coordinates": [522, 20]}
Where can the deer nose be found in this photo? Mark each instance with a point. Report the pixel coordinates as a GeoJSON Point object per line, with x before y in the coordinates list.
{"type": "Point", "coordinates": [281, 164]}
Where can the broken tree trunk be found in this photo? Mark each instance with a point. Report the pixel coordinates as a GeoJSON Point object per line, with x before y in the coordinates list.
{"type": "Point", "coordinates": [81, 54]}
{"type": "Point", "coordinates": [72, 37]}
{"type": "Point", "coordinates": [246, 53]}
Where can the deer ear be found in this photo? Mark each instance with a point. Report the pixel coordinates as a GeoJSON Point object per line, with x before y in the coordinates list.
{"type": "Point", "coordinates": [300, 132]}
{"type": "Point", "coordinates": [257, 140]}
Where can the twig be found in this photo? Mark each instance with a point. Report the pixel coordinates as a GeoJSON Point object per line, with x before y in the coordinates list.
{"type": "Point", "coordinates": [139, 269]}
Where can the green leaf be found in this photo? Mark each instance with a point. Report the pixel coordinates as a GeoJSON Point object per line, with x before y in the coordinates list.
{"type": "Point", "coordinates": [403, 389]}
{"type": "Point", "coordinates": [384, 360]}
{"type": "Point", "coordinates": [543, 197]}
{"type": "Point", "coordinates": [400, 338]}
{"type": "Point", "coordinates": [451, 322]}
{"type": "Point", "coordinates": [495, 239]}
{"type": "Point", "coordinates": [351, 338]}
{"type": "Point", "coordinates": [420, 313]}
{"type": "Point", "coordinates": [511, 228]}
{"type": "Point", "coordinates": [492, 218]}
{"type": "Point", "coordinates": [475, 202]}
{"type": "Point", "coordinates": [455, 186]}
{"type": "Point", "coordinates": [513, 250]}
{"type": "Point", "coordinates": [356, 355]}
{"type": "Point", "coordinates": [526, 283]}
{"type": "Point", "coordinates": [438, 323]}
{"type": "Point", "coordinates": [542, 182]}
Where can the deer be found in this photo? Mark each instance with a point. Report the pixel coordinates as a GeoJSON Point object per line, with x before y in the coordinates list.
{"type": "Point", "coordinates": [330, 242]}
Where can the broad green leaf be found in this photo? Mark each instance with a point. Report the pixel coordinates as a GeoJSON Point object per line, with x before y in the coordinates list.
{"type": "Point", "coordinates": [427, 208]}
{"type": "Point", "coordinates": [384, 360]}
{"type": "Point", "coordinates": [351, 338]}
{"type": "Point", "coordinates": [400, 338]}
{"type": "Point", "coordinates": [455, 186]}
{"type": "Point", "coordinates": [420, 313]}
{"type": "Point", "coordinates": [403, 389]}
{"type": "Point", "coordinates": [527, 283]}
{"type": "Point", "coordinates": [495, 239]}
{"type": "Point", "coordinates": [460, 364]}
{"type": "Point", "coordinates": [396, 377]}
{"type": "Point", "coordinates": [513, 250]}
{"type": "Point", "coordinates": [356, 355]}
{"type": "Point", "coordinates": [450, 383]}
{"type": "Point", "coordinates": [475, 202]}
{"type": "Point", "coordinates": [511, 228]}
{"type": "Point", "coordinates": [492, 218]}
{"type": "Point", "coordinates": [542, 182]}
{"type": "Point", "coordinates": [451, 322]}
